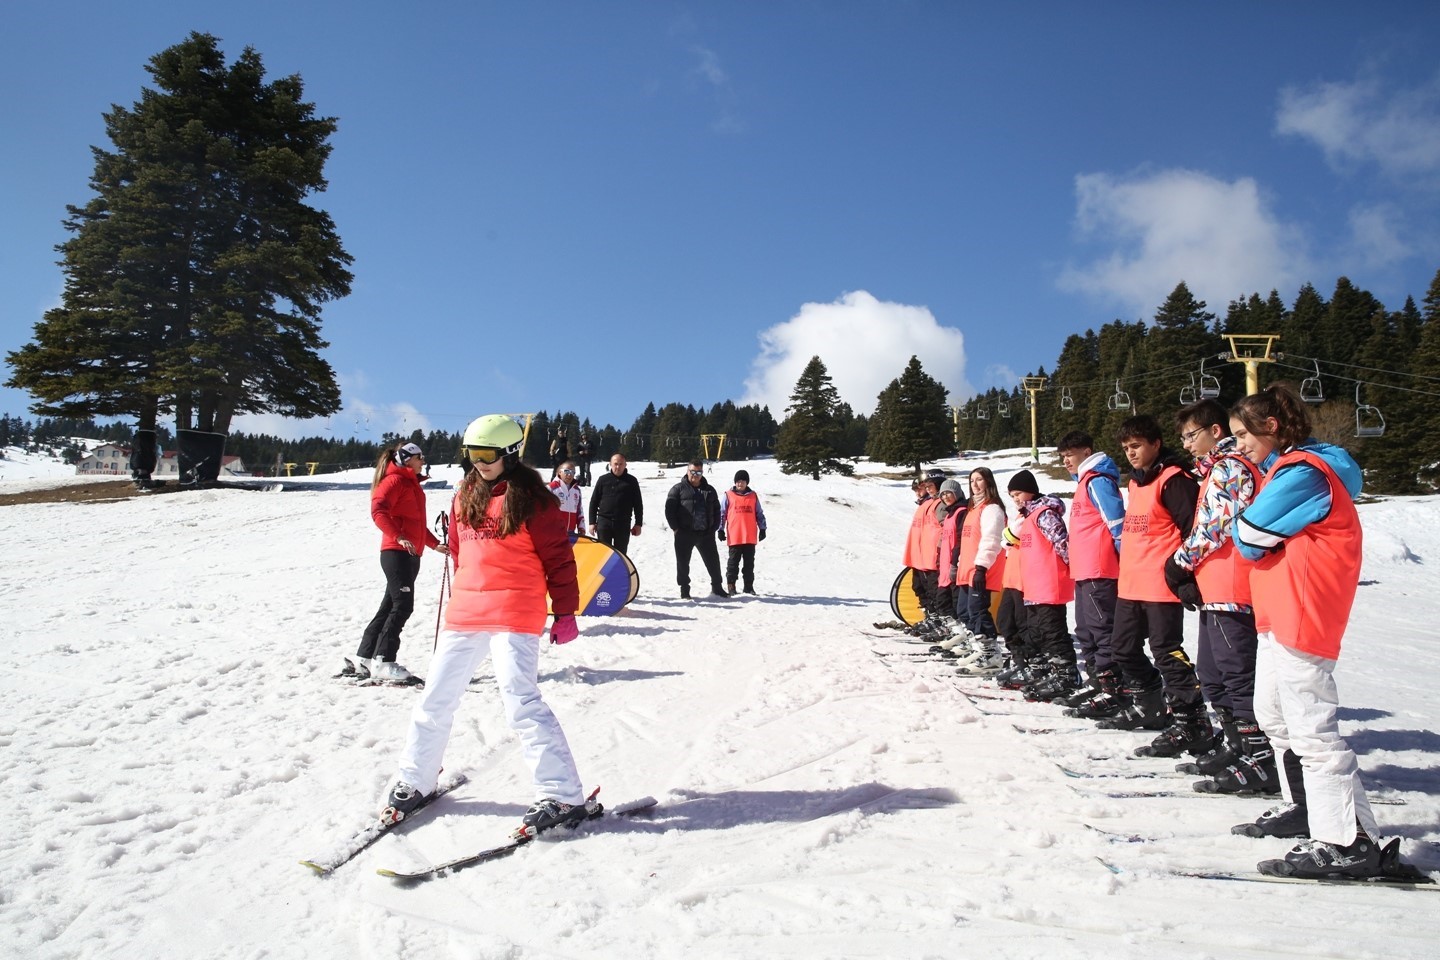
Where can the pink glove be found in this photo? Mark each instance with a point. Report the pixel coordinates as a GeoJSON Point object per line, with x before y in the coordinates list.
{"type": "Point", "coordinates": [563, 630]}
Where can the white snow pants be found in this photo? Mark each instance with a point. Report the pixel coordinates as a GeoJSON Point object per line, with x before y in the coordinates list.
{"type": "Point", "coordinates": [1295, 704]}
{"type": "Point", "coordinates": [516, 657]}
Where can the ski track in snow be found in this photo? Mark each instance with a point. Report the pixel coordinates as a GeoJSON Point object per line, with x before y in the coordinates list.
{"type": "Point", "coordinates": [172, 743]}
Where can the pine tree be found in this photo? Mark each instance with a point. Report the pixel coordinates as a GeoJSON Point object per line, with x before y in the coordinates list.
{"type": "Point", "coordinates": [1179, 340]}
{"type": "Point", "coordinates": [811, 437]}
{"type": "Point", "coordinates": [194, 278]}
{"type": "Point", "coordinates": [911, 424]}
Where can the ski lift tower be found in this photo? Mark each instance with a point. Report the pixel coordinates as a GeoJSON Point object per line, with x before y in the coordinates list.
{"type": "Point", "coordinates": [1251, 349]}
{"type": "Point", "coordinates": [1032, 386]}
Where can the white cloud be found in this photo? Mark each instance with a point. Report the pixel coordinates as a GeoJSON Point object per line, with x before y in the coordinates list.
{"type": "Point", "coordinates": [1172, 225]}
{"type": "Point", "coordinates": [1361, 123]}
{"type": "Point", "coordinates": [864, 343]}
{"type": "Point", "coordinates": [358, 418]}
{"type": "Point", "coordinates": [709, 69]}
{"type": "Point", "coordinates": [1377, 237]}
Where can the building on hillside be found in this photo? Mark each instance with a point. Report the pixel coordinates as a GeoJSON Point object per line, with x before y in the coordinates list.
{"type": "Point", "coordinates": [105, 460]}
{"type": "Point", "coordinates": [169, 466]}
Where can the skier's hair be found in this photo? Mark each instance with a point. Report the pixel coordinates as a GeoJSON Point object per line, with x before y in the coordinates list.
{"type": "Point", "coordinates": [1075, 440]}
{"type": "Point", "coordinates": [525, 495]}
{"type": "Point", "coordinates": [992, 492]}
{"type": "Point", "coordinates": [1141, 425]}
{"type": "Point", "coordinates": [387, 457]}
{"type": "Point", "coordinates": [1205, 414]}
{"type": "Point", "coordinates": [1279, 402]}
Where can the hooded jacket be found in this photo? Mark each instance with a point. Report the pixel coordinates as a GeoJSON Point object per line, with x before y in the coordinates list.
{"type": "Point", "coordinates": [397, 505]}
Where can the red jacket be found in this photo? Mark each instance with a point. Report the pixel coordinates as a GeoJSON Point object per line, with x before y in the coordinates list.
{"type": "Point", "coordinates": [501, 583]}
{"type": "Point", "coordinates": [397, 505]}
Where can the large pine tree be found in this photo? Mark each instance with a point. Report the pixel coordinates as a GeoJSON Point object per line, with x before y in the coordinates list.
{"type": "Point", "coordinates": [912, 423]}
{"type": "Point", "coordinates": [195, 276]}
{"type": "Point", "coordinates": [812, 438]}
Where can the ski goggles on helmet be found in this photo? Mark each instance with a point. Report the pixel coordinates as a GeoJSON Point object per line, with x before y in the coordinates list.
{"type": "Point", "coordinates": [489, 454]}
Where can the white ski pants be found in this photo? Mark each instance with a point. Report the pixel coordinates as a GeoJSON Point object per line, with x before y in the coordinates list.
{"type": "Point", "coordinates": [1295, 704]}
{"type": "Point", "coordinates": [516, 658]}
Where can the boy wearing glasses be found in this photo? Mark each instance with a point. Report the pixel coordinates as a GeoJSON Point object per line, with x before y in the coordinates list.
{"type": "Point", "coordinates": [692, 509]}
{"type": "Point", "coordinates": [1243, 761]}
{"type": "Point", "coordinates": [567, 491]}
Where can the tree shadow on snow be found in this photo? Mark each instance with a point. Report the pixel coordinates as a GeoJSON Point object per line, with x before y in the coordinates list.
{"type": "Point", "coordinates": [696, 810]}
{"type": "Point", "coordinates": [634, 614]}
{"type": "Point", "coordinates": [822, 601]}
{"type": "Point", "coordinates": [1360, 713]}
{"type": "Point", "coordinates": [592, 677]}
{"type": "Point", "coordinates": [1369, 741]}
{"type": "Point", "coordinates": [1393, 776]}
{"type": "Point", "coordinates": [608, 631]}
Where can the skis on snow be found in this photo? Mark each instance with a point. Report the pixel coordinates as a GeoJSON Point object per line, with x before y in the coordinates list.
{"type": "Point", "coordinates": [374, 830]}
{"type": "Point", "coordinates": [519, 838]}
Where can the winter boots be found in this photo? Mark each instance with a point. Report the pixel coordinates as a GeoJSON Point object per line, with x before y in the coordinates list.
{"type": "Point", "coordinates": [1190, 731]}
{"type": "Point", "coordinates": [1144, 711]}
{"type": "Point", "coordinates": [731, 587]}
{"type": "Point", "coordinates": [1108, 702]}
{"type": "Point", "coordinates": [986, 661]}
{"type": "Point", "coordinates": [1314, 860]}
{"type": "Point", "coordinates": [1253, 769]}
{"type": "Point", "coordinates": [547, 813]}
{"type": "Point", "coordinates": [1286, 819]}
{"type": "Point", "coordinates": [1060, 679]}
{"type": "Point", "coordinates": [403, 801]}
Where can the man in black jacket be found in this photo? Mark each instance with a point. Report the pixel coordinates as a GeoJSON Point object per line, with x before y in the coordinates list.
{"type": "Point", "coordinates": [615, 498]}
{"type": "Point", "coordinates": [692, 510]}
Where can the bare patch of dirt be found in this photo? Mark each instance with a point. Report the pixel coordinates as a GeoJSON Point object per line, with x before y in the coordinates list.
{"type": "Point", "coordinates": [88, 492]}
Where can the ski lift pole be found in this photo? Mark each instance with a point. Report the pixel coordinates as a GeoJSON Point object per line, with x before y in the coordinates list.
{"type": "Point", "coordinates": [1032, 386]}
{"type": "Point", "coordinates": [1251, 349]}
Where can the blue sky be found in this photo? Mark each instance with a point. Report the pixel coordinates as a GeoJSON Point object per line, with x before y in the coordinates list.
{"type": "Point", "coordinates": [654, 201]}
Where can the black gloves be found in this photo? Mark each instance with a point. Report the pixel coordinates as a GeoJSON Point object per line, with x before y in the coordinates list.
{"type": "Point", "coordinates": [1182, 583]}
{"type": "Point", "coordinates": [762, 534]}
{"type": "Point", "coordinates": [977, 582]}
{"type": "Point", "coordinates": [720, 534]}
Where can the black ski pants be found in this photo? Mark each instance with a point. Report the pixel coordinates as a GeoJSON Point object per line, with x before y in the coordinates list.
{"type": "Point", "coordinates": [1094, 622]}
{"type": "Point", "coordinates": [1049, 632]}
{"type": "Point", "coordinates": [1225, 661]}
{"type": "Point", "coordinates": [926, 584]}
{"type": "Point", "coordinates": [381, 639]}
{"type": "Point", "coordinates": [1163, 624]}
{"type": "Point", "coordinates": [741, 562]}
{"type": "Point", "coordinates": [612, 534]}
{"type": "Point", "coordinates": [687, 541]}
{"type": "Point", "coordinates": [1010, 621]}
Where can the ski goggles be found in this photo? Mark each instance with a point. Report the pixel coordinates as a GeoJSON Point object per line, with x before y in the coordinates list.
{"type": "Point", "coordinates": [489, 454]}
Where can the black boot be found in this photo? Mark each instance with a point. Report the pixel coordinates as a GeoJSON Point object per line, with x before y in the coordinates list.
{"type": "Point", "coordinates": [1190, 731]}
{"type": "Point", "coordinates": [1286, 819]}
{"type": "Point", "coordinates": [1316, 860]}
{"type": "Point", "coordinates": [1224, 752]}
{"type": "Point", "coordinates": [1252, 772]}
{"type": "Point", "coordinates": [1062, 681]}
{"type": "Point", "coordinates": [1145, 711]}
{"type": "Point", "coordinates": [1107, 703]}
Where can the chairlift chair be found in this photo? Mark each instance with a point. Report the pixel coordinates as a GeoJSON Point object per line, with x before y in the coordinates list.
{"type": "Point", "coordinates": [1188, 394]}
{"type": "Point", "coordinates": [1002, 407]}
{"type": "Point", "coordinates": [1209, 384]}
{"type": "Point", "coordinates": [982, 413]}
{"type": "Point", "coordinates": [1119, 400]}
{"type": "Point", "coordinates": [1369, 422]}
{"type": "Point", "coordinates": [1310, 389]}
{"type": "Point", "coordinates": [964, 413]}
{"type": "Point", "coordinates": [1067, 402]}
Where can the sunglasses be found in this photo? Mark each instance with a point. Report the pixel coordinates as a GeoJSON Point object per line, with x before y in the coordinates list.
{"type": "Point", "coordinates": [487, 454]}
{"type": "Point", "coordinates": [696, 473]}
{"type": "Point", "coordinates": [567, 473]}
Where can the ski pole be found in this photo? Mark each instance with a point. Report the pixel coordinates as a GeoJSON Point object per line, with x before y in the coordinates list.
{"type": "Point", "coordinates": [443, 522]}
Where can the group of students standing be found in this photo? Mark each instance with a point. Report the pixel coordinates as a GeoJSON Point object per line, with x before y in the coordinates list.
{"type": "Point", "coordinates": [1257, 530]}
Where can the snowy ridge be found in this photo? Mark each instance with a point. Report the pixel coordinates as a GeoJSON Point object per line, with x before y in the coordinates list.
{"type": "Point", "coordinates": [171, 743]}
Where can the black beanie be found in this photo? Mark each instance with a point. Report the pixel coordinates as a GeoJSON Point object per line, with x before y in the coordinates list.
{"type": "Point", "coordinates": [742, 475]}
{"type": "Point", "coordinates": [1024, 481]}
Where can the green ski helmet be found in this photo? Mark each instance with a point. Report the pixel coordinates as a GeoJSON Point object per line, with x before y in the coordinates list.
{"type": "Point", "coordinates": [491, 437]}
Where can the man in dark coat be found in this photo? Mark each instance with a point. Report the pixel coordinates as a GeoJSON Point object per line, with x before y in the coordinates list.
{"type": "Point", "coordinates": [615, 498]}
{"type": "Point", "coordinates": [692, 509]}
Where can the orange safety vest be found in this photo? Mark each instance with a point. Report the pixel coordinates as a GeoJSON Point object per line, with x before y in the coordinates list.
{"type": "Point", "coordinates": [1047, 578]}
{"type": "Point", "coordinates": [1223, 575]}
{"type": "Point", "coordinates": [970, 546]}
{"type": "Point", "coordinates": [741, 527]}
{"type": "Point", "coordinates": [948, 535]}
{"type": "Point", "coordinates": [922, 546]}
{"type": "Point", "coordinates": [1303, 592]}
{"type": "Point", "coordinates": [499, 584]}
{"type": "Point", "coordinates": [1092, 548]}
{"type": "Point", "coordinates": [1012, 577]}
{"type": "Point", "coordinates": [1148, 539]}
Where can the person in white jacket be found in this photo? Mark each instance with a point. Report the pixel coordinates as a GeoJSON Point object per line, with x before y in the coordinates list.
{"type": "Point", "coordinates": [981, 544]}
{"type": "Point", "coordinates": [567, 491]}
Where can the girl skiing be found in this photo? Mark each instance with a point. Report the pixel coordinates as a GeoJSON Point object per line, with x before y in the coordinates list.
{"type": "Point", "coordinates": [510, 549]}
